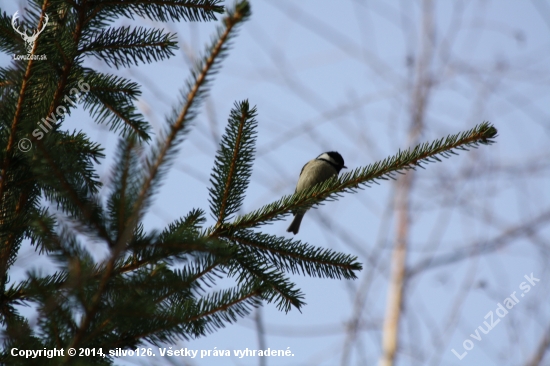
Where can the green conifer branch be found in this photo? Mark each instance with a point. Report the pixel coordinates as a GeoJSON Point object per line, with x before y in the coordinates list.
{"type": "Point", "coordinates": [331, 189]}
{"type": "Point", "coordinates": [65, 184]}
{"type": "Point", "coordinates": [276, 286]}
{"type": "Point", "coordinates": [295, 256]}
{"type": "Point", "coordinates": [162, 10]}
{"type": "Point", "coordinates": [10, 42]}
{"type": "Point", "coordinates": [198, 87]}
{"type": "Point", "coordinates": [197, 91]}
{"type": "Point", "coordinates": [122, 46]}
{"type": "Point", "coordinates": [233, 163]}
{"type": "Point", "coordinates": [111, 98]}
{"type": "Point", "coordinates": [124, 186]}
{"type": "Point", "coordinates": [226, 305]}
{"type": "Point", "coordinates": [11, 241]}
{"type": "Point", "coordinates": [30, 98]}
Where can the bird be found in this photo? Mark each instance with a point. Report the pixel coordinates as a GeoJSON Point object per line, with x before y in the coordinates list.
{"type": "Point", "coordinates": [323, 167]}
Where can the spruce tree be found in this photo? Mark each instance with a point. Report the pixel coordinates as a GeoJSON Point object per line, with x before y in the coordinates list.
{"type": "Point", "coordinates": [154, 287]}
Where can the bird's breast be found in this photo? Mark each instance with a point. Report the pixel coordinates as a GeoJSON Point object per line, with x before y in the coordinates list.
{"type": "Point", "coordinates": [313, 173]}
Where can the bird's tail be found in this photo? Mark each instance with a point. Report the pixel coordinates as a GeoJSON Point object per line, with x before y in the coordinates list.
{"type": "Point", "coordinates": [295, 224]}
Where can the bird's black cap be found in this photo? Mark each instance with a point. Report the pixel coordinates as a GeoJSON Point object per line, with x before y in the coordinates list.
{"type": "Point", "coordinates": [333, 158]}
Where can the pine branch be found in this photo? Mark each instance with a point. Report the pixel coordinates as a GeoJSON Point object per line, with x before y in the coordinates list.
{"type": "Point", "coordinates": [233, 164]}
{"type": "Point", "coordinates": [331, 189]}
{"type": "Point", "coordinates": [65, 170]}
{"type": "Point", "coordinates": [196, 93]}
{"type": "Point", "coordinates": [10, 42]}
{"type": "Point", "coordinates": [175, 246]}
{"type": "Point", "coordinates": [97, 290]}
{"type": "Point", "coordinates": [10, 244]}
{"type": "Point", "coordinates": [198, 87]}
{"type": "Point", "coordinates": [276, 287]}
{"type": "Point", "coordinates": [187, 319]}
{"type": "Point", "coordinates": [42, 230]}
{"type": "Point", "coordinates": [295, 256]}
{"type": "Point", "coordinates": [161, 10]}
{"type": "Point", "coordinates": [226, 305]}
{"type": "Point", "coordinates": [175, 312]}
{"type": "Point", "coordinates": [23, 292]}
{"type": "Point", "coordinates": [124, 187]}
{"type": "Point", "coordinates": [111, 98]}
{"type": "Point", "coordinates": [122, 46]}
{"type": "Point", "coordinates": [34, 95]}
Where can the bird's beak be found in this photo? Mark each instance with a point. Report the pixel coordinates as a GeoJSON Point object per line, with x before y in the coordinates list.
{"type": "Point", "coordinates": [345, 167]}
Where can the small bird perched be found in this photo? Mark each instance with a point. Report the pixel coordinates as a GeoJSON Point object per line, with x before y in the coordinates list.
{"type": "Point", "coordinates": [323, 167]}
